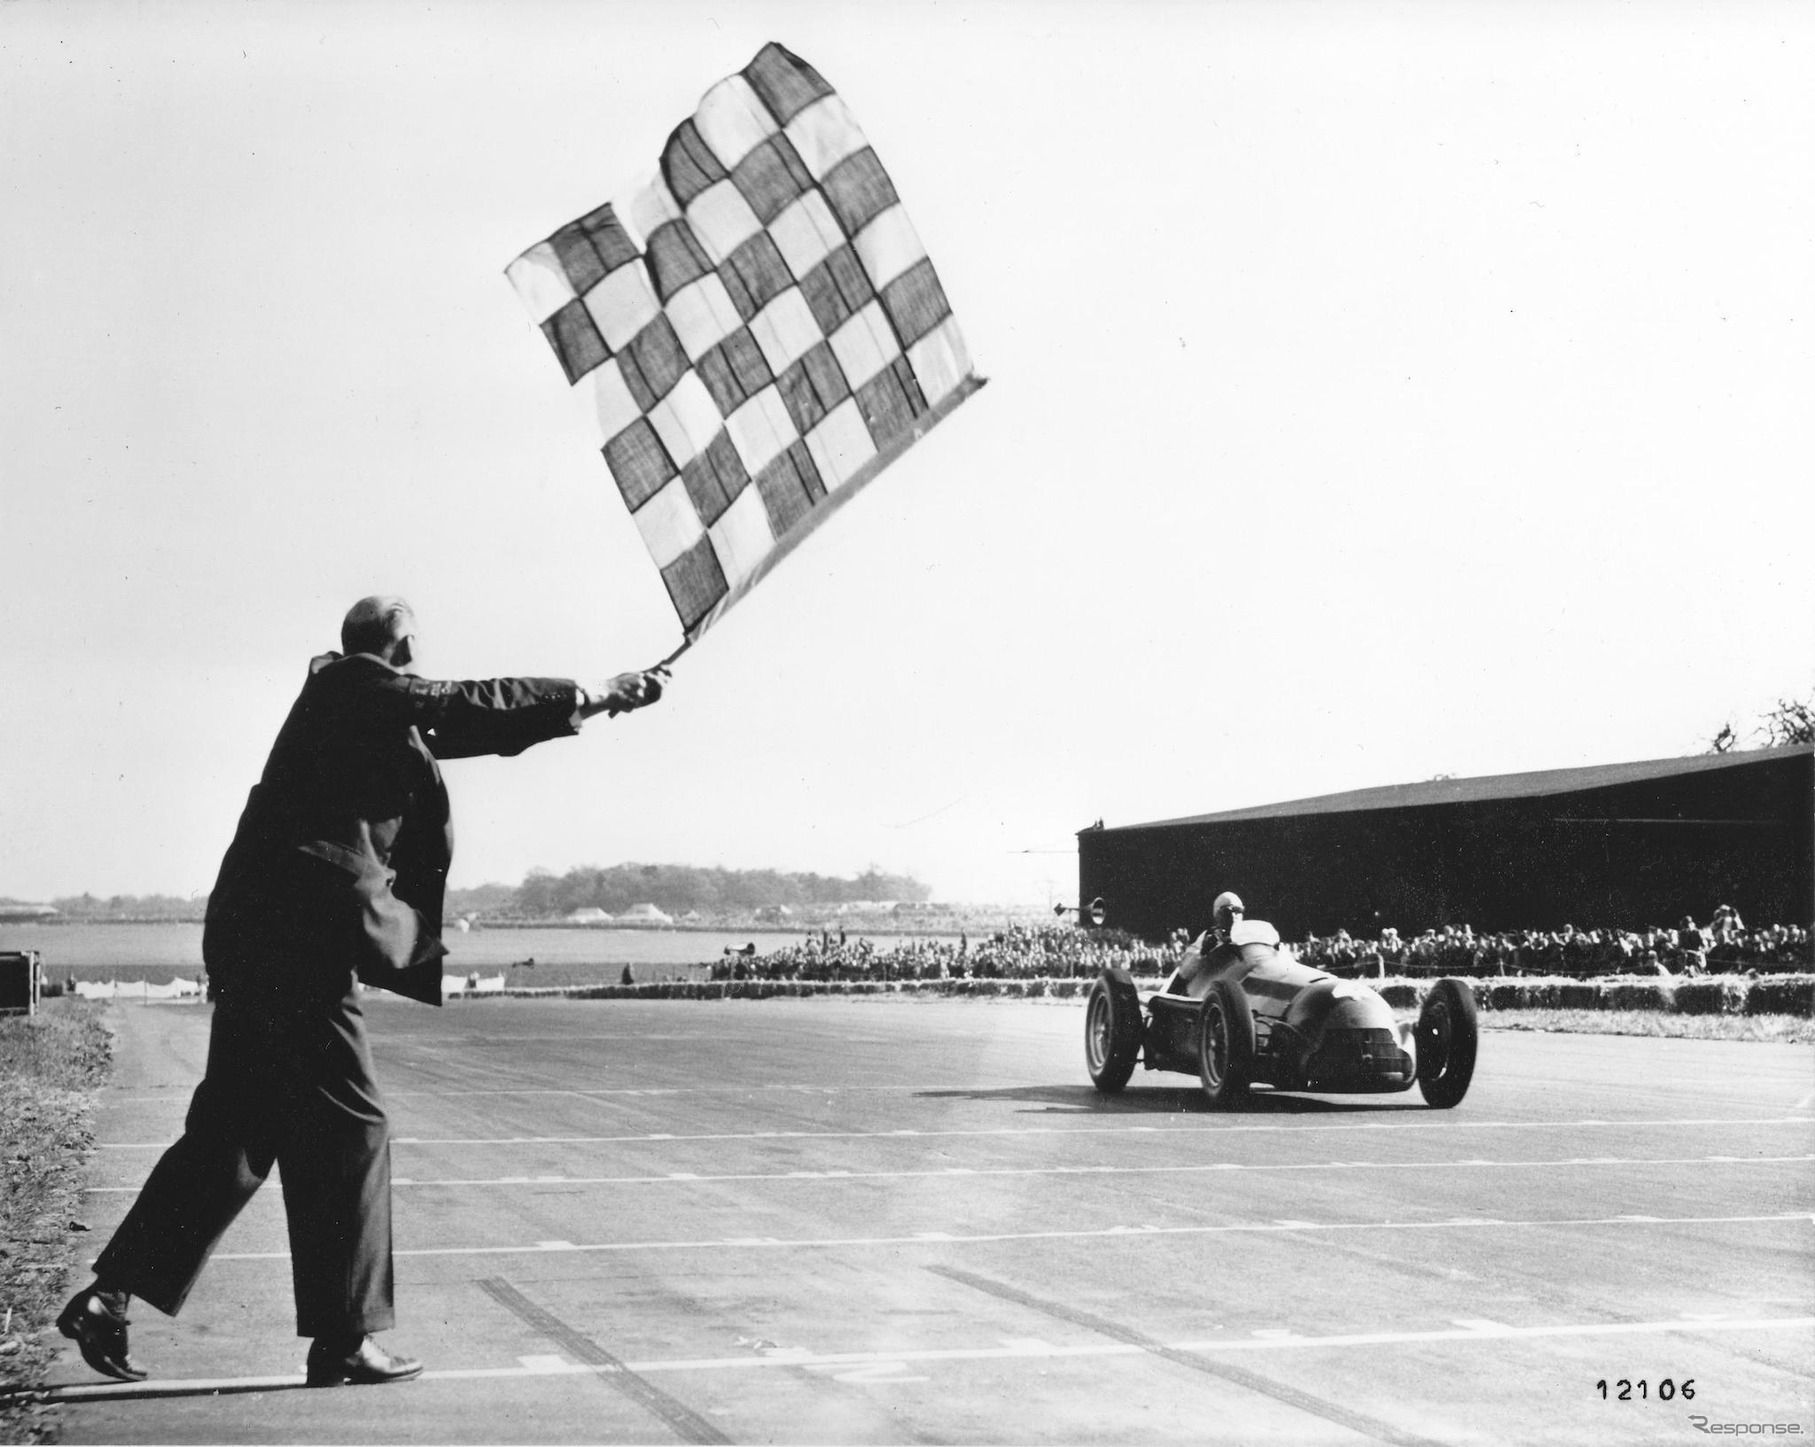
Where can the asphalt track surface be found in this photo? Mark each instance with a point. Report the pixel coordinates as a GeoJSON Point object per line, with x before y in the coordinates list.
{"type": "Point", "coordinates": [912, 1221]}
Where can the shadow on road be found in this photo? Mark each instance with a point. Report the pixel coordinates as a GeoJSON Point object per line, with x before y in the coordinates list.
{"type": "Point", "coordinates": [1084, 1100]}
{"type": "Point", "coordinates": [126, 1391]}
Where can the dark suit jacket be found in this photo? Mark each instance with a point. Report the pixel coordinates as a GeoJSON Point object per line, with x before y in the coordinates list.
{"type": "Point", "coordinates": [341, 856]}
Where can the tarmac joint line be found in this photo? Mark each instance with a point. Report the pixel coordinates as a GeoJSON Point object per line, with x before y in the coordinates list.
{"type": "Point", "coordinates": [680, 1419]}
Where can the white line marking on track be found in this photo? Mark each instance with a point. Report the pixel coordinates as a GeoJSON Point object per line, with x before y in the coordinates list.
{"type": "Point", "coordinates": [944, 1172]}
{"type": "Point", "coordinates": [890, 1373]}
{"type": "Point", "coordinates": [1024, 1349]}
{"type": "Point", "coordinates": [545, 1365]}
{"type": "Point", "coordinates": [1449, 1123]}
{"type": "Point", "coordinates": [1483, 1326]}
{"type": "Point", "coordinates": [1237, 1228]}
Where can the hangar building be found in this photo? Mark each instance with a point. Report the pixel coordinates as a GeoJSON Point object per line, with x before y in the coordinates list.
{"type": "Point", "coordinates": [1618, 844]}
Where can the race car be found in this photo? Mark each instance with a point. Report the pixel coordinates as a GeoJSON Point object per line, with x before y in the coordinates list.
{"type": "Point", "coordinates": [1245, 1012]}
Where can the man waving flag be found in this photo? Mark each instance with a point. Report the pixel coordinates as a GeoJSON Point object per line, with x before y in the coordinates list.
{"type": "Point", "coordinates": [756, 330]}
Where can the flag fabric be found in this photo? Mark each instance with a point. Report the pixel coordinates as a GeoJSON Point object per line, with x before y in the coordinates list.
{"type": "Point", "coordinates": [756, 331]}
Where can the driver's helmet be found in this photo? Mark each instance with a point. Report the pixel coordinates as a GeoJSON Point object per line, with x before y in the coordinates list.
{"type": "Point", "coordinates": [1226, 910]}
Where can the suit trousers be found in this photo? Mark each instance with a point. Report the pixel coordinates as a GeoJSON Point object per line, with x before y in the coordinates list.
{"type": "Point", "coordinates": [289, 1080]}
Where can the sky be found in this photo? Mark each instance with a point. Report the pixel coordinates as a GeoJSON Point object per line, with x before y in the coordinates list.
{"type": "Point", "coordinates": [1376, 391]}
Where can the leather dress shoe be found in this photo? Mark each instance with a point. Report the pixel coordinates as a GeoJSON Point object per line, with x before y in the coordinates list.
{"type": "Point", "coordinates": [364, 1365]}
{"type": "Point", "coordinates": [95, 1321]}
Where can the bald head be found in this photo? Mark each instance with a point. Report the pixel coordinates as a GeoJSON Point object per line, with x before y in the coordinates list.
{"type": "Point", "coordinates": [377, 625]}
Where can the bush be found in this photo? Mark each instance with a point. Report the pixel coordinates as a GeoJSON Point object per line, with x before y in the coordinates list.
{"type": "Point", "coordinates": [1503, 994]}
{"type": "Point", "coordinates": [1636, 995]}
{"type": "Point", "coordinates": [1783, 995]}
{"type": "Point", "coordinates": [1724, 996]}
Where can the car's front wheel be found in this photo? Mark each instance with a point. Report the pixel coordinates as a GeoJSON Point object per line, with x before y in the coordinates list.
{"type": "Point", "coordinates": [1112, 1031]}
{"type": "Point", "coordinates": [1447, 1039]}
{"type": "Point", "coordinates": [1225, 1045]}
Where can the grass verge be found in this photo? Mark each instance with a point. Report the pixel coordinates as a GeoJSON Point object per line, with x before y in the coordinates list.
{"type": "Point", "coordinates": [51, 1064]}
{"type": "Point", "coordinates": [1783, 1029]}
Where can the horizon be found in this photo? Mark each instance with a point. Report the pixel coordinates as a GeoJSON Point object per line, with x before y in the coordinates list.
{"type": "Point", "coordinates": [198, 895]}
{"type": "Point", "coordinates": [1374, 393]}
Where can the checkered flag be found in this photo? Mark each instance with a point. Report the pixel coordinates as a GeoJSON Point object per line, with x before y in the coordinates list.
{"type": "Point", "coordinates": [756, 331]}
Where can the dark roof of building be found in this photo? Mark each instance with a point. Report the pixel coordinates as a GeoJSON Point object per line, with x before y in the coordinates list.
{"type": "Point", "coordinates": [1491, 787]}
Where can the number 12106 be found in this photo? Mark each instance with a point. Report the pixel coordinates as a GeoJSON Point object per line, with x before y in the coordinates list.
{"type": "Point", "coordinates": [1625, 1390]}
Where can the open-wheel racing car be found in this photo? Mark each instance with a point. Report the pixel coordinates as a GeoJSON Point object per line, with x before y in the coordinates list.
{"type": "Point", "coordinates": [1246, 1012]}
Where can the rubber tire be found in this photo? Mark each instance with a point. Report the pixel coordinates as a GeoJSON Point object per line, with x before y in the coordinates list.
{"type": "Point", "coordinates": [1448, 1037]}
{"type": "Point", "coordinates": [1226, 1010]}
{"type": "Point", "coordinates": [1113, 1033]}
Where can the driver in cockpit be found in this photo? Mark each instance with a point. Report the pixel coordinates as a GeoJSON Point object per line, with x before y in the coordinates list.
{"type": "Point", "coordinates": [1212, 949]}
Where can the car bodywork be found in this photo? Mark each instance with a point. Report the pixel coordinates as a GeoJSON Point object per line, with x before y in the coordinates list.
{"type": "Point", "coordinates": [1245, 1011]}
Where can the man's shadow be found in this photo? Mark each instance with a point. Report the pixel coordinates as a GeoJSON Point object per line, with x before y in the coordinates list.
{"type": "Point", "coordinates": [72, 1392]}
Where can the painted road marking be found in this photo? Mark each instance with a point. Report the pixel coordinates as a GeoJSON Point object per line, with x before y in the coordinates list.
{"type": "Point", "coordinates": [1801, 1218]}
{"type": "Point", "coordinates": [628, 1092]}
{"type": "Point", "coordinates": [545, 1366]}
{"type": "Point", "coordinates": [890, 1373]}
{"type": "Point", "coordinates": [1405, 1121]}
{"type": "Point", "coordinates": [944, 1172]}
{"type": "Point", "coordinates": [1022, 1350]}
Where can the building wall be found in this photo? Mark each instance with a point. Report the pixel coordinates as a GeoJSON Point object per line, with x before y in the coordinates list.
{"type": "Point", "coordinates": [1630, 855]}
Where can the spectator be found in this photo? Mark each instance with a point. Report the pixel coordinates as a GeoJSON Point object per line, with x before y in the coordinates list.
{"type": "Point", "coordinates": [1694, 946]}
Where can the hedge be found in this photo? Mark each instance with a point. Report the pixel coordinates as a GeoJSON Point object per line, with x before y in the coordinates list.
{"type": "Point", "coordinates": [1708, 995]}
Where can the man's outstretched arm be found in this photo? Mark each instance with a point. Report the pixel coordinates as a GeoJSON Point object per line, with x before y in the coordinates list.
{"type": "Point", "coordinates": [507, 715]}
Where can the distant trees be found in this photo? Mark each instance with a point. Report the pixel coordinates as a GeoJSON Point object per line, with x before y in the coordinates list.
{"type": "Point", "coordinates": [1788, 721]}
{"type": "Point", "coordinates": [678, 888]}
{"type": "Point", "coordinates": [675, 888]}
{"type": "Point", "coordinates": [130, 906]}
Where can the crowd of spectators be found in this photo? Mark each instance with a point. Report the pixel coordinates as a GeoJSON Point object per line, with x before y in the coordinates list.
{"type": "Point", "coordinates": [1724, 946]}
{"type": "Point", "coordinates": [1019, 952]}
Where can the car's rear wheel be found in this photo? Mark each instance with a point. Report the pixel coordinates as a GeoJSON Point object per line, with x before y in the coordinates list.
{"type": "Point", "coordinates": [1447, 1038]}
{"type": "Point", "coordinates": [1112, 1031]}
{"type": "Point", "coordinates": [1225, 1045]}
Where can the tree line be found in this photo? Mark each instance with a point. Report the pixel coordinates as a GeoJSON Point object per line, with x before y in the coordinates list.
{"type": "Point", "coordinates": [675, 888]}
{"type": "Point", "coordinates": [678, 888]}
